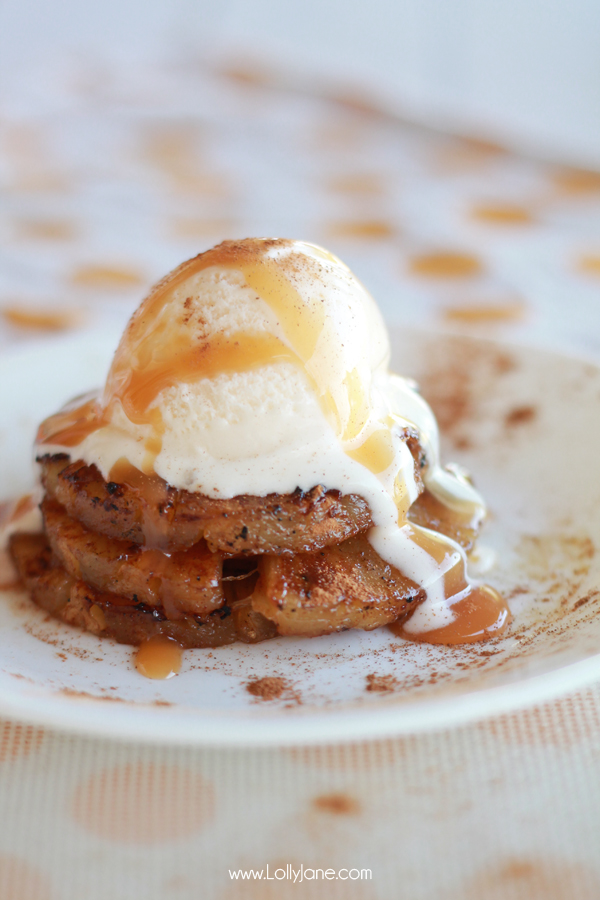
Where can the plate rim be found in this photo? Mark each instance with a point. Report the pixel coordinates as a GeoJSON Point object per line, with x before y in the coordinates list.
{"type": "Point", "coordinates": [133, 722]}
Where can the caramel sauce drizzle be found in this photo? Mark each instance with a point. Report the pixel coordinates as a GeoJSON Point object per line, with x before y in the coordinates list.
{"type": "Point", "coordinates": [151, 359]}
{"type": "Point", "coordinates": [70, 427]}
{"type": "Point", "coordinates": [479, 613]}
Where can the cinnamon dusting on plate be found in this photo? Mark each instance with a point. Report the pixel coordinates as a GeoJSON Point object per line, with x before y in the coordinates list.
{"type": "Point", "coordinates": [269, 688]}
{"type": "Point", "coordinates": [457, 383]}
{"type": "Point", "coordinates": [381, 683]}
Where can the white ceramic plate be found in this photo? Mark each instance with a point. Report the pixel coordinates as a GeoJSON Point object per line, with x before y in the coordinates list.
{"type": "Point", "coordinates": [527, 425]}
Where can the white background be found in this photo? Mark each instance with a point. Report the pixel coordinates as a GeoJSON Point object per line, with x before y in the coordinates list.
{"type": "Point", "coordinates": [526, 72]}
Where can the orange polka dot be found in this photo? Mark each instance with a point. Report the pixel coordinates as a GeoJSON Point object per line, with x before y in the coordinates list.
{"type": "Point", "coordinates": [589, 264]}
{"type": "Point", "coordinates": [577, 181]}
{"type": "Point", "coordinates": [337, 804]}
{"type": "Point", "coordinates": [502, 214]}
{"type": "Point", "coordinates": [248, 74]}
{"type": "Point", "coordinates": [171, 148]}
{"type": "Point", "coordinates": [40, 181]}
{"type": "Point", "coordinates": [18, 740]}
{"type": "Point", "coordinates": [36, 319]}
{"type": "Point", "coordinates": [359, 103]}
{"type": "Point", "coordinates": [533, 879]}
{"type": "Point", "coordinates": [103, 277]}
{"type": "Point", "coordinates": [361, 229]}
{"type": "Point", "coordinates": [339, 133]}
{"type": "Point", "coordinates": [357, 183]}
{"type": "Point", "coordinates": [177, 154]}
{"type": "Point", "coordinates": [21, 881]}
{"type": "Point", "coordinates": [208, 183]}
{"type": "Point", "coordinates": [484, 313]}
{"type": "Point", "coordinates": [143, 803]}
{"type": "Point", "coordinates": [445, 264]}
{"type": "Point", "coordinates": [480, 145]}
{"type": "Point", "coordinates": [45, 229]}
{"type": "Point", "coordinates": [466, 154]}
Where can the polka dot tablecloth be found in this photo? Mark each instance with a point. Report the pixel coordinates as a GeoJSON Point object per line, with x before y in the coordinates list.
{"type": "Point", "coordinates": [110, 177]}
{"type": "Point", "coordinates": [502, 810]}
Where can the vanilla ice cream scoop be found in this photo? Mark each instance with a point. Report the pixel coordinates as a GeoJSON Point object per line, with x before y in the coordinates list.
{"type": "Point", "coordinates": [239, 366]}
{"type": "Point", "coordinates": [261, 366]}
{"type": "Point", "coordinates": [246, 333]}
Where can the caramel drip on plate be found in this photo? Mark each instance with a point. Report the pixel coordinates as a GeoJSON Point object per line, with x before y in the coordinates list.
{"type": "Point", "coordinates": [480, 614]}
{"type": "Point", "coordinates": [479, 611]}
{"type": "Point", "coordinates": [159, 657]}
